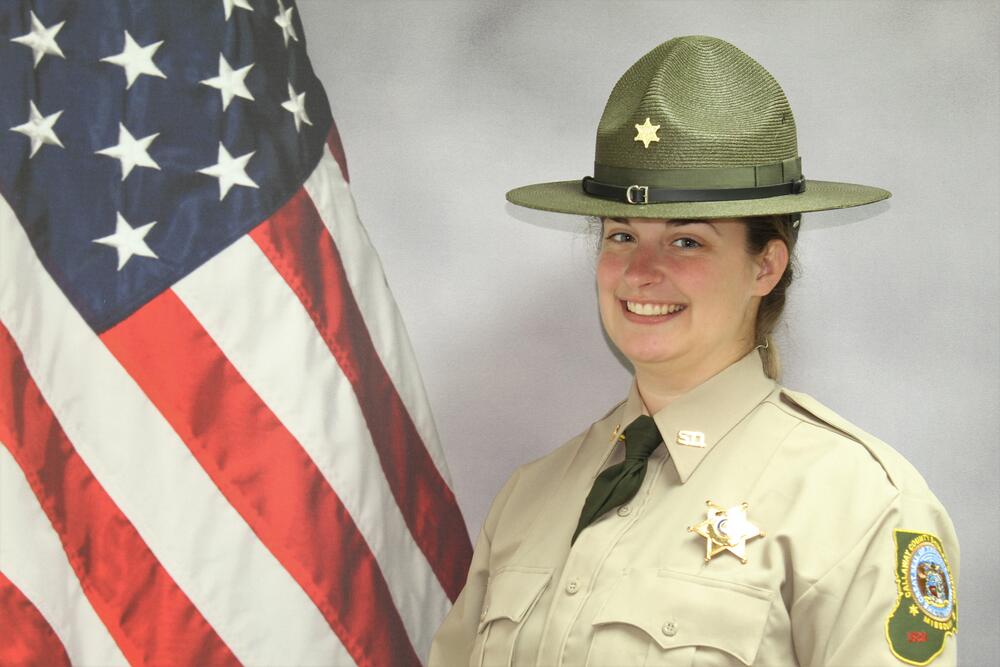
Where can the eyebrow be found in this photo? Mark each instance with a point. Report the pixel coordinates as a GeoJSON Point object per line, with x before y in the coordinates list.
{"type": "Point", "coordinates": [675, 223]}
{"type": "Point", "coordinates": [678, 223]}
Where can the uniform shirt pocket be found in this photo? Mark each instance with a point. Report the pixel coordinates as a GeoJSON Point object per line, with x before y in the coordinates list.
{"type": "Point", "coordinates": [680, 619]}
{"type": "Point", "coordinates": [511, 594]}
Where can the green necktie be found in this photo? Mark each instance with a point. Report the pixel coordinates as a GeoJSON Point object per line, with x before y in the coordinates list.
{"type": "Point", "coordinates": [619, 483]}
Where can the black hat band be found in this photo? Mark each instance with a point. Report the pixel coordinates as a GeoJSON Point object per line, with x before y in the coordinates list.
{"type": "Point", "coordinates": [652, 186]}
{"type": "Point", "coordinates": [644, 194]}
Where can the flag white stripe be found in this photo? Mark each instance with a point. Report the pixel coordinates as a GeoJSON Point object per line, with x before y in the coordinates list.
{"type": "Point", "coordinates": [332, 197]}
{"type": "Point", "coordinates": [32, 557]}
{"type": "Point", "coordinates": [241, 589]}
{"type": "Point", "coordinates": [284, 359]}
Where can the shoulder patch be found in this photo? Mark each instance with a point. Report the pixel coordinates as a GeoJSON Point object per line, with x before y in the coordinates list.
{"type": "Point", "coordinates": [926, 605]}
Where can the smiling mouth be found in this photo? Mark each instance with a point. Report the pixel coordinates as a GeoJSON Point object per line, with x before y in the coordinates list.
{"type": "Point", "coordinates": [653, 309]}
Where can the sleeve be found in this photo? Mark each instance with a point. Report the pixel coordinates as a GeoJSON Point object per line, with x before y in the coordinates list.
{"type": "Point", "coordinates": [452, 645]}
{"type": "Point", "coordinates": [891, 600]}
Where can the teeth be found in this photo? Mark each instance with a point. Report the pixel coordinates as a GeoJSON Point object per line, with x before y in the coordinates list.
{"type": "Point", "coordinates": [650, 309]}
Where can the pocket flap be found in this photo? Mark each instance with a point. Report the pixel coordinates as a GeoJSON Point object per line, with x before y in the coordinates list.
{"type": "Point", "coordinates": [677, 609]}
{"type": "Point", "coordinates": [512, 591]}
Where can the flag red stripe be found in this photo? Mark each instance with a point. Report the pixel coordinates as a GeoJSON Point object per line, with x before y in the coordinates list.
{"type": "Point", "coordinates": [303, 252]}
{"type": "Point", "coordinates": [27, 639]}
{"type": "Point", "coordinates": [264, 473]}
{"type": "Point", "coordinates": [336, 147]}
{"type": "Point", "coordinates": [123, 580]}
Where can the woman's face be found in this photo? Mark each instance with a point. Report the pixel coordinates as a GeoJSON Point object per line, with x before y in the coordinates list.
{"type": "Point", "coordinates": [682, 295]}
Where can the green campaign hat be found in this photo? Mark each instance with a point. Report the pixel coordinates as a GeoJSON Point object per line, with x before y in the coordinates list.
{"type": "Point", "coordinates": [695, 129]}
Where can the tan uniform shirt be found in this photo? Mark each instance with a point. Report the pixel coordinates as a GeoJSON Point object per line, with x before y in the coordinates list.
{"type": "Point", "coordinates": [636, 589]}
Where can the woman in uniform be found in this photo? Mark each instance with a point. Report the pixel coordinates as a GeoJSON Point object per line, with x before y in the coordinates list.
{"type": "Point", "coordinates": [713, 517]}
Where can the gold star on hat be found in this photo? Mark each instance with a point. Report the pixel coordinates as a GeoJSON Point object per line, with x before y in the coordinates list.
{"type": "Point", "coordinates": [646, 133]}
{"type": "Point", "coordinates": [726, 530]}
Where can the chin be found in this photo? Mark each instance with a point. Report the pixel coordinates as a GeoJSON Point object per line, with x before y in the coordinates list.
{"type": "Point", "coordinates": [648, 354]}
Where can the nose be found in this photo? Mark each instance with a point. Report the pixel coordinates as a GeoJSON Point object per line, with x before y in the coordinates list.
{"type": "Point", "coordinates": [645, 267]}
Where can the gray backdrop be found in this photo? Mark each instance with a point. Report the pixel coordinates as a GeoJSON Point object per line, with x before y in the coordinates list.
{"type": "Point", "coordinates": [893, 320]}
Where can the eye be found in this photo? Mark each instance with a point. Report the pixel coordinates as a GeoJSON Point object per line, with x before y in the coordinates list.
{"type": "Point", "coordinates": [686, 243]}
{"type": "Point", "coordinates": [619, 237]}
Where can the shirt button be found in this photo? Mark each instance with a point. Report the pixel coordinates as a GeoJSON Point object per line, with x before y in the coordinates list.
{"type": "Point", "coordinates": [572, 587]}
{"type": "Point", "coordinates": [624, 510]}
{"type": "Point", "coordinates": [669, 628]}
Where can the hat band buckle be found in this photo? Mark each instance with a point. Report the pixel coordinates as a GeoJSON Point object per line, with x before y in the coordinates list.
{"type": "Point", "coordinates": [643, 191]}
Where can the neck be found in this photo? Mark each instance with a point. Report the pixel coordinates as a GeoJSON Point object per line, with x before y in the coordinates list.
{"type": "Point", "coordinates": [661, 385]}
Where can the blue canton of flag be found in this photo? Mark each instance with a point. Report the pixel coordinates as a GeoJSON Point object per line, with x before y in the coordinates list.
{"type": "Point", "coordinates": [135, 150]}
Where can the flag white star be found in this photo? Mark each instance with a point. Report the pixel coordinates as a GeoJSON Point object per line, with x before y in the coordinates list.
{"type": "Point", "coordinates": [130, 151]}
{"type": "Point", "coordinates": [136, 60]}
{"type": "Point", "coordinates": [39, 129]}
{"type": "Point", "coordinates": [230, 171]}
{"type": "Point", "coordinates": [229, 4]}
{"type": "Point", "coordinates": [284, 21]}
{"type": "Point", "coordinates": [296, 104]}
{"type": "Point", "coordinates": [41, 40]}
{"type": "Point", "coordinates": [128, 241]}
{"type": "Point", "coordinates": [230, 82]}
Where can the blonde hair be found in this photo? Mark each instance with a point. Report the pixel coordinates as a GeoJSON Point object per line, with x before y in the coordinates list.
{"type": "Point", "coordinates": [761, 230]}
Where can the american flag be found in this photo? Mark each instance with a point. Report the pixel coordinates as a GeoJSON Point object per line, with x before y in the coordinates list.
{"type": "Point", "coordinates": [215, 447]}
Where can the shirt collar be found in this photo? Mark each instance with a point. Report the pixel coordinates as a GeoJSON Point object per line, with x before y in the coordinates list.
{"type": "Point", "coordinates": [711, 409]}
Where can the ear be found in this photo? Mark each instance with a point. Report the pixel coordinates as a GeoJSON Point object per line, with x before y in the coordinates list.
{"type": "Point", "coordinates": [771, 265]}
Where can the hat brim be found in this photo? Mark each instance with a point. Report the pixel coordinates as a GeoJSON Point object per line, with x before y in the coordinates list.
{"type": "Point", "coordinates": [569, 197]}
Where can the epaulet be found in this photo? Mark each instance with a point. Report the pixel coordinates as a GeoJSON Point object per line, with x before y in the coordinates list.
{"type": "Point", "coordinates": [823, 416]}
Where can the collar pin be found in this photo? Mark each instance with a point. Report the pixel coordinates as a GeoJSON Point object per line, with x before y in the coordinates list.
{"type": "Point", "coordinates": [691, 438]}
